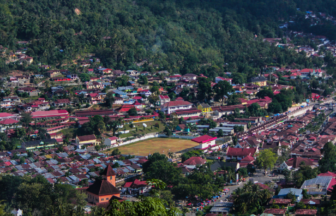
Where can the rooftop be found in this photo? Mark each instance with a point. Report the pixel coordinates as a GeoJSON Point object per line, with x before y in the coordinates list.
{"type": "Point", "coordinates": [204, 138]}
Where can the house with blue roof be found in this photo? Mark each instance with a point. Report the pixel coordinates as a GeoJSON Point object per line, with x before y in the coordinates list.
{"type": "Point", "coordinates": [284, 192]}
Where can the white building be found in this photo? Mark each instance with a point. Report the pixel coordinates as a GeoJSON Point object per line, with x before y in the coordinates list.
{"type": "Point", "coordinates": [205, 142]}
{"type": "Point", "coordinates": [111, 141]}
{"type": "Point", "coordinates": [164, 99]}
{"type": "Point", "coordinates": [172, 106]}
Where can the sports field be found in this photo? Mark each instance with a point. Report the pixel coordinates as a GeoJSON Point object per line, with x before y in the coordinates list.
{"type": "Point", "coordinates": [161, 145]}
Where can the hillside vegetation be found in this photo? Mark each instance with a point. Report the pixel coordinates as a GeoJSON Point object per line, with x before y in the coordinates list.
{"type": "Point", "coordinates": [181, 36]}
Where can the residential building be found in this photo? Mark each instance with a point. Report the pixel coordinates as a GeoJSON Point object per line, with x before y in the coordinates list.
{"type": "Point", "coordinates": [173, 106]}
{"type": "Point", "coordinates": [321, 185]}
{"type": "Point", "coordinates": [101, 191]}
{"type": "Point", "coordinates": [260, 81]}
{"type": "Point", "coordinates": [205, 142]}
{"type": "Point", "coordinates": [54, 73]}
{"type": "Point", "coordinates": [9, 124]}
{"type": "Point", "coordinates": [163, 99]}
{"type": "Point", "coordinates": [295, 163]}
{"type": "Point", "coordinates": [51, 114]}
{"type": "Point", "coordinates": [111, 141]}
{"type": "Point", "coordinates": [61, 102]}
{"type": "Point", "coordinates": [189, 77]}
{"type": "Point", "coordinates": [30, 91]}
{"type": "Point", "coordinates": [136, 187]}
{"type": "Point", "coordinates": [285, 191]}
{"type": "Point", "coordinates": [205, 108]}
{"type": "Point", "coordinates": [240, 153]}
{"type": "Point", "coordinates": [86, 140]}
{"type": "Point", "coordinates": [39, 144]}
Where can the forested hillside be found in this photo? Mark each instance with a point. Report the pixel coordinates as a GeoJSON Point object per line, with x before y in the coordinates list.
{"type": "Point", "coordinates": [181, 36]}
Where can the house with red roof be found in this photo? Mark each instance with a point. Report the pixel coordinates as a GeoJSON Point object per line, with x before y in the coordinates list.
{"type": "Point", "coordinates": [138, 105]}
{"type": "Point", "coordinates": [95, 98]}
{"type": "Point", "coordinates": [145, 92]}
{"type": "Point", "coordinates": [275, 212]}
{"type": "Point", "coordinates": [331, 174]}
{"type": "Point", "coordinates": [9, 124]}
{"type": "Point", "coordinates": [295, 163]}
{"type": "Point", "coordinates": [247, 160]}
{"type": "Point", "coordinates": [173, 106]}
{"type": "Point", "coordinates": [196, 161]}
{"type": "Point", "coordinates": [305, 212]}
{"type": "Point", "coordinates": [240, 153]}
{"type": "Point", "coordinates": [163, 99]}
{"type": "Point", "coordinates": [136, 186]}
{"type": "Point", "coordinates": [280, 202]}
{"type": "Point", "coordinates": [51, 114]}
{"type": "Point", "coordinates": [86, 140]}
{"type": "Point", "coordinates": [315, 96]}
{"type": "Point", "coordinates": [126, 107]}
{"type": "Point", "coordinates": [205, 142]}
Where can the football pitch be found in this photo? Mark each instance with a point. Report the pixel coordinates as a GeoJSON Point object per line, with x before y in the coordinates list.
{"type": "Point", "coordinates": [161, 145]}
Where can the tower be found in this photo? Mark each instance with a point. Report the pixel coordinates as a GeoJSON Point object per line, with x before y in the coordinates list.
{"type": "Point", "coordinates": [109, 175]}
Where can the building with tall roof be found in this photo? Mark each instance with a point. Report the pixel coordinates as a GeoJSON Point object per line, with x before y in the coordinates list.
{"type": "Point", "coordinates": [101, 191]}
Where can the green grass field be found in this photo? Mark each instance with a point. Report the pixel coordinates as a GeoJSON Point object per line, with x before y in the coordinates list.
{"type": "Point", "coordinates": [161, 145]}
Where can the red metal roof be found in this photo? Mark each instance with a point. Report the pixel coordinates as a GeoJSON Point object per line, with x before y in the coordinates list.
{"type": "Point", "coordinates": [51, 113]}
{"type": "Point", "coordinates": [204, 138]}
{"type": "Point", "coordinates": [195, 161]}
{"type": "Point", "coordinates": [6, 114]}
{"type": "Point", "coordinates": [306, 212]}
{"type": "Point", "coordinates": [177, 103]}
{"type": "Point", "coordinates": [328, 174]}
{"type": "Point", "coordinates": [240, 152]}
{"type": "Point", "coordinates": [8, 121]}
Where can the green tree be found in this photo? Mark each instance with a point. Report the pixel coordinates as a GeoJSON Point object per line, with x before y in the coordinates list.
{"type": "Point", "coordinates": [84, 77]}
{"type": "Point", "coordinates": [328, 161]}
{"type": "Point", "coordinates": [167, 131]}
{"type": "Point", "coordinates": [265, 92]}
{"type": "Point", "coordinates": [222, 88]}
{"type": "Point", "coordinates": [116, 152]}
{"type": "Point", "coordinates": [147, 206]}
{"type": "Point", "coordinates": [143, 80]}
{"type": "Point", "coordinates": [109, 99]}
{"type": "Point", "coordinates": [132, 111]}
{"type": "Point", "coordinates": [204, 89]}
{"type": "Point", "coordinates": [266, 159]}
{"type": "Point", "coordinates": [26, 118]}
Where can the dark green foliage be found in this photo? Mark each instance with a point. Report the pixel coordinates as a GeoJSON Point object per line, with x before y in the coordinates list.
{"type": "Point", "coordinates": [210, 122]}
{"type": "Point", "coordinates": [37, 194]}
{"type": "Point", "coordinates": [328, 162]}
{"type": "Point", "coordinates": [304, 173]}
{"type": "Point", "coordinates": [132, 112]}
{"type": "Point", "coordinates": [96, 125]}
{"type": "Point", "coordinates": [250, 199]}
{"type": "Point", "coordinates": [185, 156]}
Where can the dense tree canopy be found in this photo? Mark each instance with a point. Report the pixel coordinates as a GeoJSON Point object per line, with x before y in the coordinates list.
{"type": "Point", "coordinates": [180, 36]}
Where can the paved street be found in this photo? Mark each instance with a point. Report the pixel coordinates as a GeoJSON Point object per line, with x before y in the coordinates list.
{"type": "Point", "coordinates": [257, 177]}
